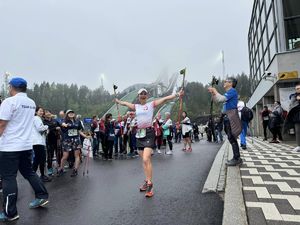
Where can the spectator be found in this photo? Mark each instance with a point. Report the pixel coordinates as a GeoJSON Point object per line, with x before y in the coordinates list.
{"type": "Point", "coordinates": [275, 122]}
{"type": "Point", "coordinates": [186, 132]}
{"type": "Point", "coordinates": [265, 115]}
{"type": "Point", "coordinates": [243, 135]}
{"type": "Point", "coordinates": [39, 142]}
{"type": "Point", "coordinates": [167, 126]}
{"type": "Point", "coordinates": [16, 124]}
{"type": "Point", "coordinates": [232, 122]}
{"type": "Point", "coordinates": [109, 137]}
{"type": "Point", "coordinates": [51, 140]}
{"type": "Point", "coordinates": [294, 115]}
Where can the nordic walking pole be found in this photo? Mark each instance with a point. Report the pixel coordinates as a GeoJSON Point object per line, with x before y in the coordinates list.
{"type": "Point", "coordinates": [115, 87]}
{"type": "Point", "coordinates": [88, 160]}
{"type": "Point", "coordinates": [182, 72]}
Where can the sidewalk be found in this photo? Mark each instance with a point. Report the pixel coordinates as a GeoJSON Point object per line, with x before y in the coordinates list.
{"type": "Point", "coordinates": [271, 183]}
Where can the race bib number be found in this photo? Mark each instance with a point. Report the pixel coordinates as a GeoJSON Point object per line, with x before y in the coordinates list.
{"type": "Point", "coordinates": [141, 133]}
{"type": "Point", "coordinates": [72, 132]}
{"type": "Point", "coordinates": [266, 118]}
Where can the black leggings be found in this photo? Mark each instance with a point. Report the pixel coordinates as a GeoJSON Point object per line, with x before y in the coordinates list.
{"type": "Point", "coordinates": [169, 139]}
{"type": "Point", "coordinates": [39, 158]}
{"type": "Point", "coordinates": [51, 148]}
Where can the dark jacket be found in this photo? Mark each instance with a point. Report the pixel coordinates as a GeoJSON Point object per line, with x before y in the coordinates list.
{"type": "Point", "coordinates": [294, 110]}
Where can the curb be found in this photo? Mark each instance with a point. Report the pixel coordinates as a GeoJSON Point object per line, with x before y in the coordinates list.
{"type": "Point", "coordinates": [234, 205]}
{"type": "Point", "coordinates": [215, 181]}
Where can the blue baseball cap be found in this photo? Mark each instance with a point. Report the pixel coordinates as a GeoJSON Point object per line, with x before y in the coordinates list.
{"type": "Point", "coordinates": [18, 82]}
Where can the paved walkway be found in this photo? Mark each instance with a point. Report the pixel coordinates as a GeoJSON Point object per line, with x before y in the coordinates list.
{"type": "Point", "coordinates": [271, 183]}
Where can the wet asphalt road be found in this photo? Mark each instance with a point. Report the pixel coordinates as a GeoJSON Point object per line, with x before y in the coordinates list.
{"type": "Point", "coordinates": [109, 195]}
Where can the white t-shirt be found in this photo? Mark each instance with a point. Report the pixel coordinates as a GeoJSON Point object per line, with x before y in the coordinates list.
{"type": "Point", "coordinates": [240, 106]}
{"type": "Point", "coordinates": [19, 112]}
{"type": "Point", "coordinates": [186, 127]}
{"type": "Point", "coordinates": [144, 114]}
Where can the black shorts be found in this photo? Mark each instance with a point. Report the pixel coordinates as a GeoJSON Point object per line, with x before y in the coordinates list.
{"type": "Point", "coordinates": [187, 135]}
{"type": "Point", "coordinates": [146, 142]}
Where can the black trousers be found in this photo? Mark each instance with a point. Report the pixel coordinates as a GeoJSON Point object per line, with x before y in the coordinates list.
{"type": "Point", "coordinates": [276, 131]}
{"type": "Point", "coordinates": [169, 139]}
{"type": "Point", "coordinates": [231, 139]}
{"type": "Point", "coordinates": [108, 149]}
{"type": "Point", "coordinates": [125, 142]}
{"type": "Point", "coordinates": [51, 149]}
{"type": "Point", "coordinates": [265, 126]}
{"type": "Point", "coordinates": [39, 158]}
{"type": "Point", "coordinates": [10, 163]}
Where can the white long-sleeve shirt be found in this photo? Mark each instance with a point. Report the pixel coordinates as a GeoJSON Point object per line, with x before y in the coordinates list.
{"type": "Point", "coordinates": [38, 128]}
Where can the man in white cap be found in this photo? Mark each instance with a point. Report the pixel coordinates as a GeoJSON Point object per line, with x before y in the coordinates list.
{"type": "Point", "coordinates": [16, 123]}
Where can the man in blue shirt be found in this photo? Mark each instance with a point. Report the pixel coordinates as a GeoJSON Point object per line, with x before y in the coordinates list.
{"type": "Point", "coordinates": [232, 123]}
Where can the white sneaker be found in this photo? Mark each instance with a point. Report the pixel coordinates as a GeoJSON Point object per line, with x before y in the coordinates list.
{"type": "Point", "coordinates": [169, 152]}
{"type": "Point", "coordinates": [158, 151]}
{"type": "Point", "coordinates": [297, 149]}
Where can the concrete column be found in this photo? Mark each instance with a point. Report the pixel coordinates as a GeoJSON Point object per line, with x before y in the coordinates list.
{"type": "Point", "coordinates": [258, 126]}
{"type": "Point", "coordinates": [276, 93]}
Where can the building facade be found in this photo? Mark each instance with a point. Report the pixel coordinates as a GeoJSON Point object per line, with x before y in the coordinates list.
{"type": "Point", "coordinates": [274, 54]}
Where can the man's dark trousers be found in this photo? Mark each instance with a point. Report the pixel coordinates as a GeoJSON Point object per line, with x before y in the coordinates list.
{"type": "Point", "coordinates": [231, 138]}
{"type": "Point", "coordinates": [10, 163]}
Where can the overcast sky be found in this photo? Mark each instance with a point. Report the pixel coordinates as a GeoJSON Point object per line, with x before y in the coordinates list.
{"type": "Point", "coordinates": [129, 41]}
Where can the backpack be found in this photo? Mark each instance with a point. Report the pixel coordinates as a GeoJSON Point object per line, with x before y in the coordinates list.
{"type": "Point", "coordinates": [246, 114]}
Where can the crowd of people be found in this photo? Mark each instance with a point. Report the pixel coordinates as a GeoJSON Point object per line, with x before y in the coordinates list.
{"type": "Point", "coordinates": [34, 139]}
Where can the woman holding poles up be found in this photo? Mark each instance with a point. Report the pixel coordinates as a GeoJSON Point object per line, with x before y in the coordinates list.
{"type": "Point", "coordinates": [145, 134]}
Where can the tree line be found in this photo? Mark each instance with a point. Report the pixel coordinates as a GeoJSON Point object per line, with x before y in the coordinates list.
{"type": "Point", "coordinates": [89, 102]}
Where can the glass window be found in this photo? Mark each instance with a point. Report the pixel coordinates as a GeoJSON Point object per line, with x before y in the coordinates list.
{"type": "Point", "coordinates": [292, 28]}
{"type": "Point", "coordinates": [260, 48]}
{"type": "Point", "coordinates": [270, 23]}
{"type": "Point", "coordinates": [272, 47]}
{"type": "Point", "coordinates": [291, 8]}
{"type": "Point", "coordinates": [291, 11]}
{"type": "Point", "coordinates": [268, 3]}
{"type": "Point", "coordinates": [265, 38]}
{"type": "Point", "coordinates": [263, 15]}
{"type": "Point", "coordinates": [266, 61]}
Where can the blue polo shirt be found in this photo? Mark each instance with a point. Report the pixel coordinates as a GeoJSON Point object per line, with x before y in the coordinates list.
{"type": "Point", "coordinates": [231, 100]}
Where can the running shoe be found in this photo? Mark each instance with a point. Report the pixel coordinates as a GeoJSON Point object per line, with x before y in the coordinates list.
{"type": "Point", "coordinates": [234, 162]}
{"type": "Point", "coordinates": [158, 151]}
{"type": "Point", "coordinates": [184, 149]}
{"type": "Point", "coordinates": [297, 149]}
{"type": "Point", "coordinates": [74, 173]}
{"type": "Point", "coordinates": [50, 172]}
{"type": "Point", "coordinates": [169, 152]}
{"type": "Point", "coordinates": [60, 172]}
{"type": "Point", "coordinates": [5, 218]}
{"type": "Point", "coordinates": [144, 186]}
{"type": "Point", "coordinates": [149, 191]}
{"type": "Point", "coordinates": [38, 203]}
{"type": "Point", "coordinates": [188, 150]}
{"type": "Point", "coordinates": [130, 154]}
